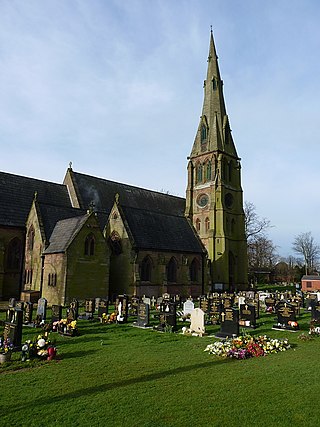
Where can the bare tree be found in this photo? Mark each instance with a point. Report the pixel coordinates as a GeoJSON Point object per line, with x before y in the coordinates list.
{"type": "Point", "coordinates": [254, 225]}
{"type": "Point", "coordinates": [305, 245]}
{"type": "Point", "coordinates": [262, 253]}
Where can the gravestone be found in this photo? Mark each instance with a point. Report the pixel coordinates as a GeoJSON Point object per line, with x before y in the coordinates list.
{"type": "Point", "coordinates": [13, 330]}
{"type": "Point", "coordinates": [89, 308]}
{"type": "Point", "coordinates": [10, 314]}
{"type": "Point", "coordinates": [41, 310]}
{"type": "Point", "coordinates": [12, 303]}
{"type": "Point", "coordinates": [229, 323]}
{"type": "Point", "coordinates": [204, 304]}
{"type": "Point", "coordinates": [197, 322]}
{"type": "Point", "coordinates": [166, 297]}
{"type": "Point", "coordinates": [315, 313]}
{"type": "Point", "coordinates": [311, 301]}
{"type": "Point", "coordinates": [28, 309]}
{"type": "Point", "coordinates": [159, 301]}
{"type": "Point", "coordinates": [56, 313]}
{"type": "Point", "coordinates": [153, 302]}
{"type": "Point", "coordinates": [247, 316]}
{"type": "Point", "coordinates": [167, 317]}
{"type": "Point", "coordinates": [122, 308]}
{"type": "Point", "coordinates": [143, 318]}
{"type": "Point", "coordinates": [241, 300]}
{"type": "Point", "coordinates": [188, 307]}
{"type": "Point", "coordinates": [215, 310]}
{"type": "Point", "coordinates": [103, 307]}
{"type": "Point", "coordinates": [146, 300]}
{"type": "Point", "coordinates": [286, 317]}
{"type": "Point", "coordinates": [134, 305]}
{"type": "Point", "coordinates": [270, 304]}
{"type": "Point", "coordinates": [74, 305]}
{"type": "Point", "coordinates": [19, 305]}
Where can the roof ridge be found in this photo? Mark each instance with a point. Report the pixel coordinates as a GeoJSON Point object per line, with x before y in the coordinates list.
{"type": "Point", "coordinates": [130, 185]}
{"type": "Point", "coordinates": [152, 211]}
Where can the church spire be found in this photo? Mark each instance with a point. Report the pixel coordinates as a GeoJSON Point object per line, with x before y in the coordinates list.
{"type": "Point", "coordinates": [214, 132]}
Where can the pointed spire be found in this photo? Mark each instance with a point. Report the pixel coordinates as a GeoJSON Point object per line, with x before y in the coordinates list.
{"type": "Point", "coordinates": [214, 114]}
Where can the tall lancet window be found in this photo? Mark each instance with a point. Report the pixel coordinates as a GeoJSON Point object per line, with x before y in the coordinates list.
{"type": "Point", "coordinates": [203, 134]}
{"type": "Point", "coordinates": [199, 173]}
{"type": "Point", "coordinates": [208, 171]}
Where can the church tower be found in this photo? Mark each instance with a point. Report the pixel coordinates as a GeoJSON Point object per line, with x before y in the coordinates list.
{"type": "Point", "coordinates": [214, 200]}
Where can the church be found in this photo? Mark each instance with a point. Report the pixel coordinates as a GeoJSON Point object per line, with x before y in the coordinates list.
{"type": "Point", "coordinates": [92, 237]}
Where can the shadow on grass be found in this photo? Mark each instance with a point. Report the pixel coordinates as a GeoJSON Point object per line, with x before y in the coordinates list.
{"type": "Point", "coordinates": [116, 384]}
{"type": "Point", "coordinates": [73, 354]}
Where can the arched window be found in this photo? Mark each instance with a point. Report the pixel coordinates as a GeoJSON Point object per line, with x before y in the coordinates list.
{"type": "Point", "coordinates": [198, 224]}
{"type": "Point", "coordinates": [203, 134]}
{"type": "Point", "coordinates": [172, 270]}
{"type": "Point", "coordinates": [114, 242]}
{"type": "Point", "coordinates": [14, 254]}
{"type": "Point", "coordinates": [207, 224]}
{"type": "Point", "coordinates": [30, 238]}
{"type": "Point", "coordinates": [208, 171]}
{"type": "Point", "coordinates": [194, 270]}
{"type": "Point", "coordinates": [199, 173]}
{"type": "Point", "coordinates": [146, 269]}
{"type": "Point", "coordinates": [89, 245]}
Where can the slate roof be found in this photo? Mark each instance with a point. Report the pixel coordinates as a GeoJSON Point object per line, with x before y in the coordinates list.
{"type": "Point", "coordinates": [51, 214]}
{"type": "Point", "coordinates": [64, 232]}
{"type": "Point", "coordinates": [17, 193]}
{"type": "Point", "coordinates": [310, 277]}
{"type": "Point", "coordinates": [102, 192]}
{"type": "Point", "coordinates": [158, 231]}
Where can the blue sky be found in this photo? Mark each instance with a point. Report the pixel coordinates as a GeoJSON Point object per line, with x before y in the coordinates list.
{"type": "Point", "coordinates": [116, 88]}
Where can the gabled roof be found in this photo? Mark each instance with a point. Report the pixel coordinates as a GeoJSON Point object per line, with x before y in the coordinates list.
{"type": "Point", "coordinates": [64, 233]}
{"type": "Point", "coordinates": [312, 277]}
{"type": "Point", "coordinates": [51, 214]}
{"type": "Point", "coordinates": [17, 193]}
{"type": "Point", "coordinates": [102, 193]}
{"type": "Point", "coordinates": [159, 231]}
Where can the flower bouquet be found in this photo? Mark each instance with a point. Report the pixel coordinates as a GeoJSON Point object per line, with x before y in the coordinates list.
{"type": "Point", "coordinates": [66, 327]}
{"type": "Point", "coordinates": [247, 346]}
{"type": "Point", "coordinates": [41, 347]}
{"type": "Point", "coordinates": [6, 349]}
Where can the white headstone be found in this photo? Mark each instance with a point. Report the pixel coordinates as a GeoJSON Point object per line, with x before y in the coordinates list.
{"type": "Point", "coordinates": [241, 301]}
{"type": "Point", "coordinates": [188, 307]}
{"type": "Point", "coordinates": [197, 322]}
{"type": "Point", "coordinates": [146, 301]}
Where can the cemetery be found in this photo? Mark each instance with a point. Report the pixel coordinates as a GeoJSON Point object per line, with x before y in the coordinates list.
{"type": "Point", "coordinates": [148, 360]}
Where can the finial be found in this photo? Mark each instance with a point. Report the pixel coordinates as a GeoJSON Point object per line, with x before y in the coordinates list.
{"type": "Point", "coordinates": [211, 29]}
{"type": "Point", "coordinates": [70, 165]}
{"type": "Point", "coordinates": [35, 195]}
{"type": "Point", "coordinates": [91, 207]}
{"type": "Point", "coordinates": [116, 197]}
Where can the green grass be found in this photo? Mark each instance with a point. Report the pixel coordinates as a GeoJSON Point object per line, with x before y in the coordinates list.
{"type": "Point", "coordinates": [273, 288]}
{"type": "Point", "coordinates": [119, 375]}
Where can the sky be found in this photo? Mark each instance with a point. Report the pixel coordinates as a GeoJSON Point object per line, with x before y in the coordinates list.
{"type": "Point", "coordinates": [116, 88]}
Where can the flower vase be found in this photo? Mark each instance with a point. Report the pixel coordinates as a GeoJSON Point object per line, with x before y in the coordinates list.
{"type": "Point", "coordinates": [5, 357]}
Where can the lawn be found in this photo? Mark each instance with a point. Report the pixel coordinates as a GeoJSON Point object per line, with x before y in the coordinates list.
{"type": "Point", "coordinates": [124, 376]}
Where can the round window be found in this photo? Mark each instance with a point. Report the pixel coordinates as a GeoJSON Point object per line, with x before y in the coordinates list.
{"type": "Point", "coordinates": [203, 200]}
{"type": "Point", "coordinates": [228, 200]}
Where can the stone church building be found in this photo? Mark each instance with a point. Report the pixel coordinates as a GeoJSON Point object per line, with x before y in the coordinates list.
{"type": "Point", "coordinates": [92, 237]}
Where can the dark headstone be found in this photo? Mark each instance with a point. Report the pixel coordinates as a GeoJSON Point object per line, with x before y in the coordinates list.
{"type": "Point", "coordinates": [28, 313]}
{"type": "Point", "coordinates": [90, 306]}
{"type": "Point", "coordinates": [103, 307]}
{"type": "Point", "coordinates": [74, 305]}
{"type": "Point", "coordinates": [143, 315]}
{"type": "Point", "coordinates": [286, 317]}
{"type": "Point", "coordinates": [13, 330]}
{"type": "Point", "coordinates": [134, 305]}
{"type": "Point", "coordinates": [270, 304]}
{"type": "Point", "coordinates": [122, 308]}
{"type": "Point", "coordinates": [19, 305]}
{"type": "Point", "coordinates": [12, 302]}
{"type": "Point", "coordinates": [229, 323]}
{"type": "Point", "coordinates": [168, 316]}
{"type": "Point", "coordinates": [56, 313]}
{"type": "Point", "coordinates": [315, 312]}
{"type": "Point", "coordinates": [10, 315]}
{"type": "Point", "coordinates": [247, 316]}
{"type": "Point", "coordinates": [204, 304]}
